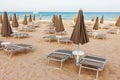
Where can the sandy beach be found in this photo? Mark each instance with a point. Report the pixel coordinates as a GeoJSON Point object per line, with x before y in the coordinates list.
{"type": "Point", "coordinates": [33, 65]}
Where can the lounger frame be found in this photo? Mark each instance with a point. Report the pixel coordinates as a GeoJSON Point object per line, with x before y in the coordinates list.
{"type": "Point", "coordinates": [61, 61]}
{"type": "Point", "coordinates": [98, 69]}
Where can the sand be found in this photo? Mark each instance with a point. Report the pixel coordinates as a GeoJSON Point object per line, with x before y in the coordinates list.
{"type": "Point", "coordinates": [33, 65]}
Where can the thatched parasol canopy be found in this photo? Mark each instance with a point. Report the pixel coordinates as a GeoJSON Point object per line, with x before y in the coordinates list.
{"type": "Point", "coordinates": [96, 25]}
{"type": "Point", "coordinates": [79, 34]}
{"type": "Point", "coordinates": [6, 28]}
{"type": "Point", "coordinates": [15, 22]}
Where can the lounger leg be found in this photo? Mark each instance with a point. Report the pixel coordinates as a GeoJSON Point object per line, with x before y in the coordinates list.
{"type": "Point", "coordinates": [48, 61]}
{"type": "Point", "coordinates": [3, 51]}
{"type": "Point", "coordinates": [80, 69]}
{"type": "Point", "coordinates": [97, 75]}
{"type": "Point", "coordinates": [49, 40]}
{"type": "Point", "coordinates": [61, 65]}
{"type": "Point", "coordinates": [11, 53]}
{"type": "Point", "coordinates": [58, 41]}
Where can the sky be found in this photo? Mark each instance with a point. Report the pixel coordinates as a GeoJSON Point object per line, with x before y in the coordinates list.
{"type": "Point", "coordinates": [60, 5]}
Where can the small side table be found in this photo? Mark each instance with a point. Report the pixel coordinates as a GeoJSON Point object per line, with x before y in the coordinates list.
{"type": "Point", "coordinates": [77, 54]}
{"type": "Point", "coordinates": [5, 43]}
{"type": "Point", "coordinates": [25, 28]}
{"type": "Point", "coordinates": [94, 34]}
{"type": "Point", "coordinates": [58, 38]}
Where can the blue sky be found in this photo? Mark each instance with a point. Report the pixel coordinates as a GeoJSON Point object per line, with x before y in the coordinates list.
{"type": "Point", "coordinates": [61, 5]}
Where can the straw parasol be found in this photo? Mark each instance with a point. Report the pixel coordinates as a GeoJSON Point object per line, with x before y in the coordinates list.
{"type": "Point", "coordinates": [56, 21]}
{"type": "Point", "coordinates": [30, 18]}
{"type": "Point", "coordinates": [53, 20]}
{"type": "Point", "coordinates": [25, 20]}
{"type": "Point", "coordinates": [34, 17]}
{"type": "Point", "coordinates": [0, 19]}
{"type": "Point", "coordinates": [60, 26]}
{"type": "Point", "coordinates": [79, 34]}
{"type": "Point", "coordinates": [10, 18]}
{"type": "Point", "coordinates": [17, 17]}
{"type": "Point", "coordinates": [6, 28]}
{"type": "Point", "coordinates": [92, 18]}
{"type": "Point", "coordinates": [95, 27]}
{"type": "Point", "coordinates": [15, 22]}
{"type": "Point", "coordinates": [102, 20]}
{"type": "Point", "coordinates": [118, 22]}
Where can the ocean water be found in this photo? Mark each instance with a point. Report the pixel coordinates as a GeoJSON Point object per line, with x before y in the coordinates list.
{"type": "Point", "coordinates": [110, 16]}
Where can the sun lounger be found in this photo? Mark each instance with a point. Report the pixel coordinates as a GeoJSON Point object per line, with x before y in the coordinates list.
{"type": "Point", "coordinates": [36, 24]}
{"type": "Point", "coordinates": [104, 26]}
{"type": "Point", "coordinates": [101, 36]}
{"type": "Point", "coordinates": [27, 47]}
{"type": "Point", "coordinates": [50, 38]}
{"type": "Point", "coordinates": [61, 33]}
{"type": "Point", "coordinates": [65, 40]}
{"type": "Point", "coordinates": [51, 28]}
{"type": "Point", "coordinates": [60, 56]}
{"type": "Point", "coordinates": [16, 48]}
{"type": "Point", "coordinates": [49, 31]}
{"type": "Point", "coordinates": [90, 34]}
{"type": "Point", "coordinates": [29, 29]}
{"type": "Point", "coordinates": [20, 35]}
{"type": "Point", "coordinates": [114, 31]}
{"type": "Point", "coordinates": [1, 46]}
{"type": "Point", "coordinates": [93, 63]}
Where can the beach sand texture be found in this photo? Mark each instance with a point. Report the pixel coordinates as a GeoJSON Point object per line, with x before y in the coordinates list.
{"type": "Point", "coordinates": [33, 65]}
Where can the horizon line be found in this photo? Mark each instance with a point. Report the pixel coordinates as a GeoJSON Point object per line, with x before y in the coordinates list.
{"type": "Point", "coordinates": [63, 11]}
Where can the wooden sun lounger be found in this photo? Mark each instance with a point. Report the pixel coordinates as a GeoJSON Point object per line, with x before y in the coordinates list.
{"type": "Point", "coordinates": [93, 63]}
{"type": "Point", "coordinates": [60, 56]}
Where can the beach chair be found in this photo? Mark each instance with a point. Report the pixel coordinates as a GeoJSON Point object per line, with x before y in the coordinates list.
{"type": "Point", "coordinates": [114, 31]}
{"type": "Point", "coordinates": [50, 26]}
{"type": "Point", "coordinates": [50, 38]}
{"type": "Point", "coordinates": [61, 33]}
{"type": "Point", "coordinates": [11, 49]}
{"type": "Point", "coordinates": [49, 31]}
{"type": "Point", "coordinates": [1, 46]}
{"type": "Point", "coordinates": [92, 62]}
{"type": "Point", "coordinates": [90, 34]}
{"type": "Point", "coordinates": [101, 36]}
{"type": "Point", "coordinates": [36, 24]}
{"type": "Point", "coordinates": [65, 40]}
{"type": "Point", "coordinates": [59, 56]}
{"type": "Point", "coordinates": [20, 35]}
{"type": "Point", "coordinates": [27, 47]}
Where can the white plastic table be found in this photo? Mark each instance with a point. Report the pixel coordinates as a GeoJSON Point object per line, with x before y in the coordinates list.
{"type": "Point", "coordinates": [94, 34]}
{"type": "Point", "coordinates": [25, 28]}
{"type": "Point", "coordinates": [58, 38]}
{"type": "Point", "coordinates": [5, 43]}
{"type": "Point", "coordinates": [77, 54]}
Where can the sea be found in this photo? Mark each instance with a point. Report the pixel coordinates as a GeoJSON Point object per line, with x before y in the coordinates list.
{"type": "Point", "coordinates": [109, 16]}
